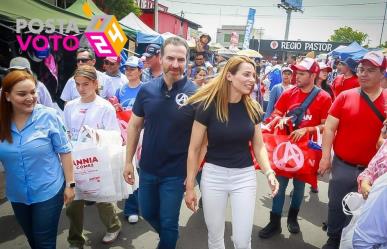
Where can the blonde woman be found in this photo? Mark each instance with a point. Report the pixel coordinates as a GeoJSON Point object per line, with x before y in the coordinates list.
{"type": "Point", "coordinates": [229, 118]}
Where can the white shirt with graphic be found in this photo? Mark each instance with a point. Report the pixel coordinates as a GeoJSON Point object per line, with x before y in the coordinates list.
{"type": "Point", "coordinates": [99, 114]}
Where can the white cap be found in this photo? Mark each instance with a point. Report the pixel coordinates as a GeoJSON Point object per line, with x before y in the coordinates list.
{"type": "Point", "coordinates": [376, 58]}
{"type": "Point", "coordinates": [134, 61]}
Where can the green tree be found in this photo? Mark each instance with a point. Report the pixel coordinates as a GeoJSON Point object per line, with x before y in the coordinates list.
{"type": "Point", "coordinates": [383, 45]}
{"type": "Point", "coordinates": [347, 34]}
{"type": "Point", "coordinates": [119, 8]}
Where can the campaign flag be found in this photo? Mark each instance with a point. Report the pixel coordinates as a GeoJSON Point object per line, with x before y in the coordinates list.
{"type": "Point", "coordinates": [299, 160]}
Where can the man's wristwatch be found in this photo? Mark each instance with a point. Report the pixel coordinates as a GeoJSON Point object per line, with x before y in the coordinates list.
{"type": "Point", "coordinates": [70, 184]}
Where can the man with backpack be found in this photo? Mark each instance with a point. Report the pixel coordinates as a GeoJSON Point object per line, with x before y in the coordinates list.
{"type": "Point", "coordinates": [300, 109]}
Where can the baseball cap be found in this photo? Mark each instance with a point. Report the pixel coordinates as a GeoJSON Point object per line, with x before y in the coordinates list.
{"type": "Point", "coordinates": [323, 66]}
{"type": "Point", "coordinates": [113, 59]}
{"type": "Point", "coordinates": [307, 64]}
{"type": "Point", "coordinates": [134, 61]}
{"type": "Point", "coordinates": [151, 50]}
{"type": "Point", "coordinates": [20, 63]}
{"type": "Point", "coordinates": [288, 69]}
{"type": "Point", "coordinates": [351, 63]}
{"type": "Point", "coordinates": [207, 35]}
{"type": "Point", "coordinates": [376, 58]}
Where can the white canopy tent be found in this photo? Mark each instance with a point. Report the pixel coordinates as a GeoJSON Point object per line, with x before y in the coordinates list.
{"type": "Point", "coordinates": [144, 33]}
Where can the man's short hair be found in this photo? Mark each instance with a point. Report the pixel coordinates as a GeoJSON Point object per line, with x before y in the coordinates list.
{"type": "Point", "coordinates": [86, 49]}
{"type": "Point", "coordinates": [176, 41]}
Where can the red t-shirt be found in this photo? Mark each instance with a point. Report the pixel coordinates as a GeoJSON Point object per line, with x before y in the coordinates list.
{"type": "Point", "coordinates": [341, 84]}
{"type": "Point", "coordinates": [317, 110]}
{"type": "Point", "coordinates": [359, 127]}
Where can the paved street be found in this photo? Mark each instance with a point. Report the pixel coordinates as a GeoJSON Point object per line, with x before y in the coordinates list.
{"type": "Point", "coordinates": [193, 233]}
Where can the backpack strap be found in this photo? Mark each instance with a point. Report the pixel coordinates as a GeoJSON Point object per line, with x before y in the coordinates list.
{"type": "Point", "coordinates": [304, 106]}
{"type": "Point", "coordinates": [372, 105]}
{"type": "Point", "coordinates": [310, 98]}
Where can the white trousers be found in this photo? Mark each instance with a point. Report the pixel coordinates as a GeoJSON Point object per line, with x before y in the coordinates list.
{"type": "Point", "coordinates": [217, 184]}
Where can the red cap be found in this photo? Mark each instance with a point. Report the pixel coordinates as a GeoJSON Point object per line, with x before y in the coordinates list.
{"type": "Point", "coordinates": [323, 66]}
{"type": "Point", "coordinates": [113, 59]}
{"type": "Point", "coordinates": [307, 64]}
{"type": "Point", "coordinates": [376, 58]}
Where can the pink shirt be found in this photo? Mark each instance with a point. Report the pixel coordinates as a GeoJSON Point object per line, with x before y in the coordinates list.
{"type": "Point", "coordinates": [377, 166]}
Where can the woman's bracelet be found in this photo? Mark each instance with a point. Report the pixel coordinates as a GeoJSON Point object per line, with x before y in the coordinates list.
{"type": "Point", "coordinates": [270, 171]}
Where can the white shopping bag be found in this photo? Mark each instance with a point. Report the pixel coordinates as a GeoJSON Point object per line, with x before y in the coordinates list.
{"type": "Point", "coordinates": [92, 171]}
{"type": "Point", "coordinates": [352, 205]}
{"type": "Point", "coordinates": [117, 154]}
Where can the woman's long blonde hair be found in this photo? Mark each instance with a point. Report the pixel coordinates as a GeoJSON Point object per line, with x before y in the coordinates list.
{"type": "Point", "coordinates": [217, 91]}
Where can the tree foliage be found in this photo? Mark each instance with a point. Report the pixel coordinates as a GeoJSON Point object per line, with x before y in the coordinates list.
{"type": "Point", "coordinates": [119, 8]}
{"type": "Point", "coordinates": [383, 45]}
{"type": "Point", "coordinates": [347, 34]}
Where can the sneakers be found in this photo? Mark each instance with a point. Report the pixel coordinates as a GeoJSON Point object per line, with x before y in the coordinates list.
{"type": "Point", "coordinates": [110, 237]}
{"type": "Point", "coordinates": [133, 219]}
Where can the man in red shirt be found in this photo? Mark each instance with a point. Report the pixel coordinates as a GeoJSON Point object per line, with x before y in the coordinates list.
{"type": "Point", "coordinates": [353, 129]}
{"type": "Point", "coordinates": [315, 114]}
{"type": "Point", "coordinates": [347, 79]}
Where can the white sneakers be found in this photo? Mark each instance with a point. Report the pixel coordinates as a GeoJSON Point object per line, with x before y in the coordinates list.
{"type": "Point", "coordinates": [133, 219]}
{"type": "Point", "coordinates": [110, 237]}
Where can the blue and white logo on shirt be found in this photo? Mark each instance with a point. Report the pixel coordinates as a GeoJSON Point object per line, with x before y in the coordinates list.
{"type": "Point", "coordinates": [181, 98]}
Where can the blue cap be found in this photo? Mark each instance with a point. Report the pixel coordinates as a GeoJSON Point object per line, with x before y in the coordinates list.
{"type": "Point", "coordinates": [151, 50]}
{"type": "Point", "coordinates": [351, 63]}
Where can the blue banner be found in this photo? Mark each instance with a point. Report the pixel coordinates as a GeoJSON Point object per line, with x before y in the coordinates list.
{"type": "Point", "coordinates": [249, 28]}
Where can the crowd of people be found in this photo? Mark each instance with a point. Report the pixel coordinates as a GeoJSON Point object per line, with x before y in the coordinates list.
{"type": "Point", "coordinates": [197, 122]}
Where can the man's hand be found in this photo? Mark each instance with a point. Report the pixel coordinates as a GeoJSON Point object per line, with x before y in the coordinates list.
{"type": "Point", "coordinates": [282, 122]}
{"type": "Point", "coordinates": [296, 135]}
{"type": "Point", "coordinates": [129, 173]}
{"type": "Point", "coordinates": [324, 166]}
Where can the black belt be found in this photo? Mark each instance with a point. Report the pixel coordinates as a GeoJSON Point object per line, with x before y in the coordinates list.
{"type": "Point", "coordinates": [358, 166]}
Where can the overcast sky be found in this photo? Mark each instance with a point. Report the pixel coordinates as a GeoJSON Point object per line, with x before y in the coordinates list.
{"type": "Point", "coordinates": [317, 23]}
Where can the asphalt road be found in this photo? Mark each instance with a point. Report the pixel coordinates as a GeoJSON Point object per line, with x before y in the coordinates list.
{"type": "Point", "coordinates": [193, 232]}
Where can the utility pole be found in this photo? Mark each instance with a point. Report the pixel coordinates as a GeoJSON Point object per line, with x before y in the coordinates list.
{"type": "Point", "coordinates": [289, 14]}
{"type": "Point", "coordinates": [384, 18]}
{"type": "Point", "coordinates": [289, 8]}
{"type": "Point", "coordinates": [181, 32]}
{"type": "Point", "coordinates": [156, 7]}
